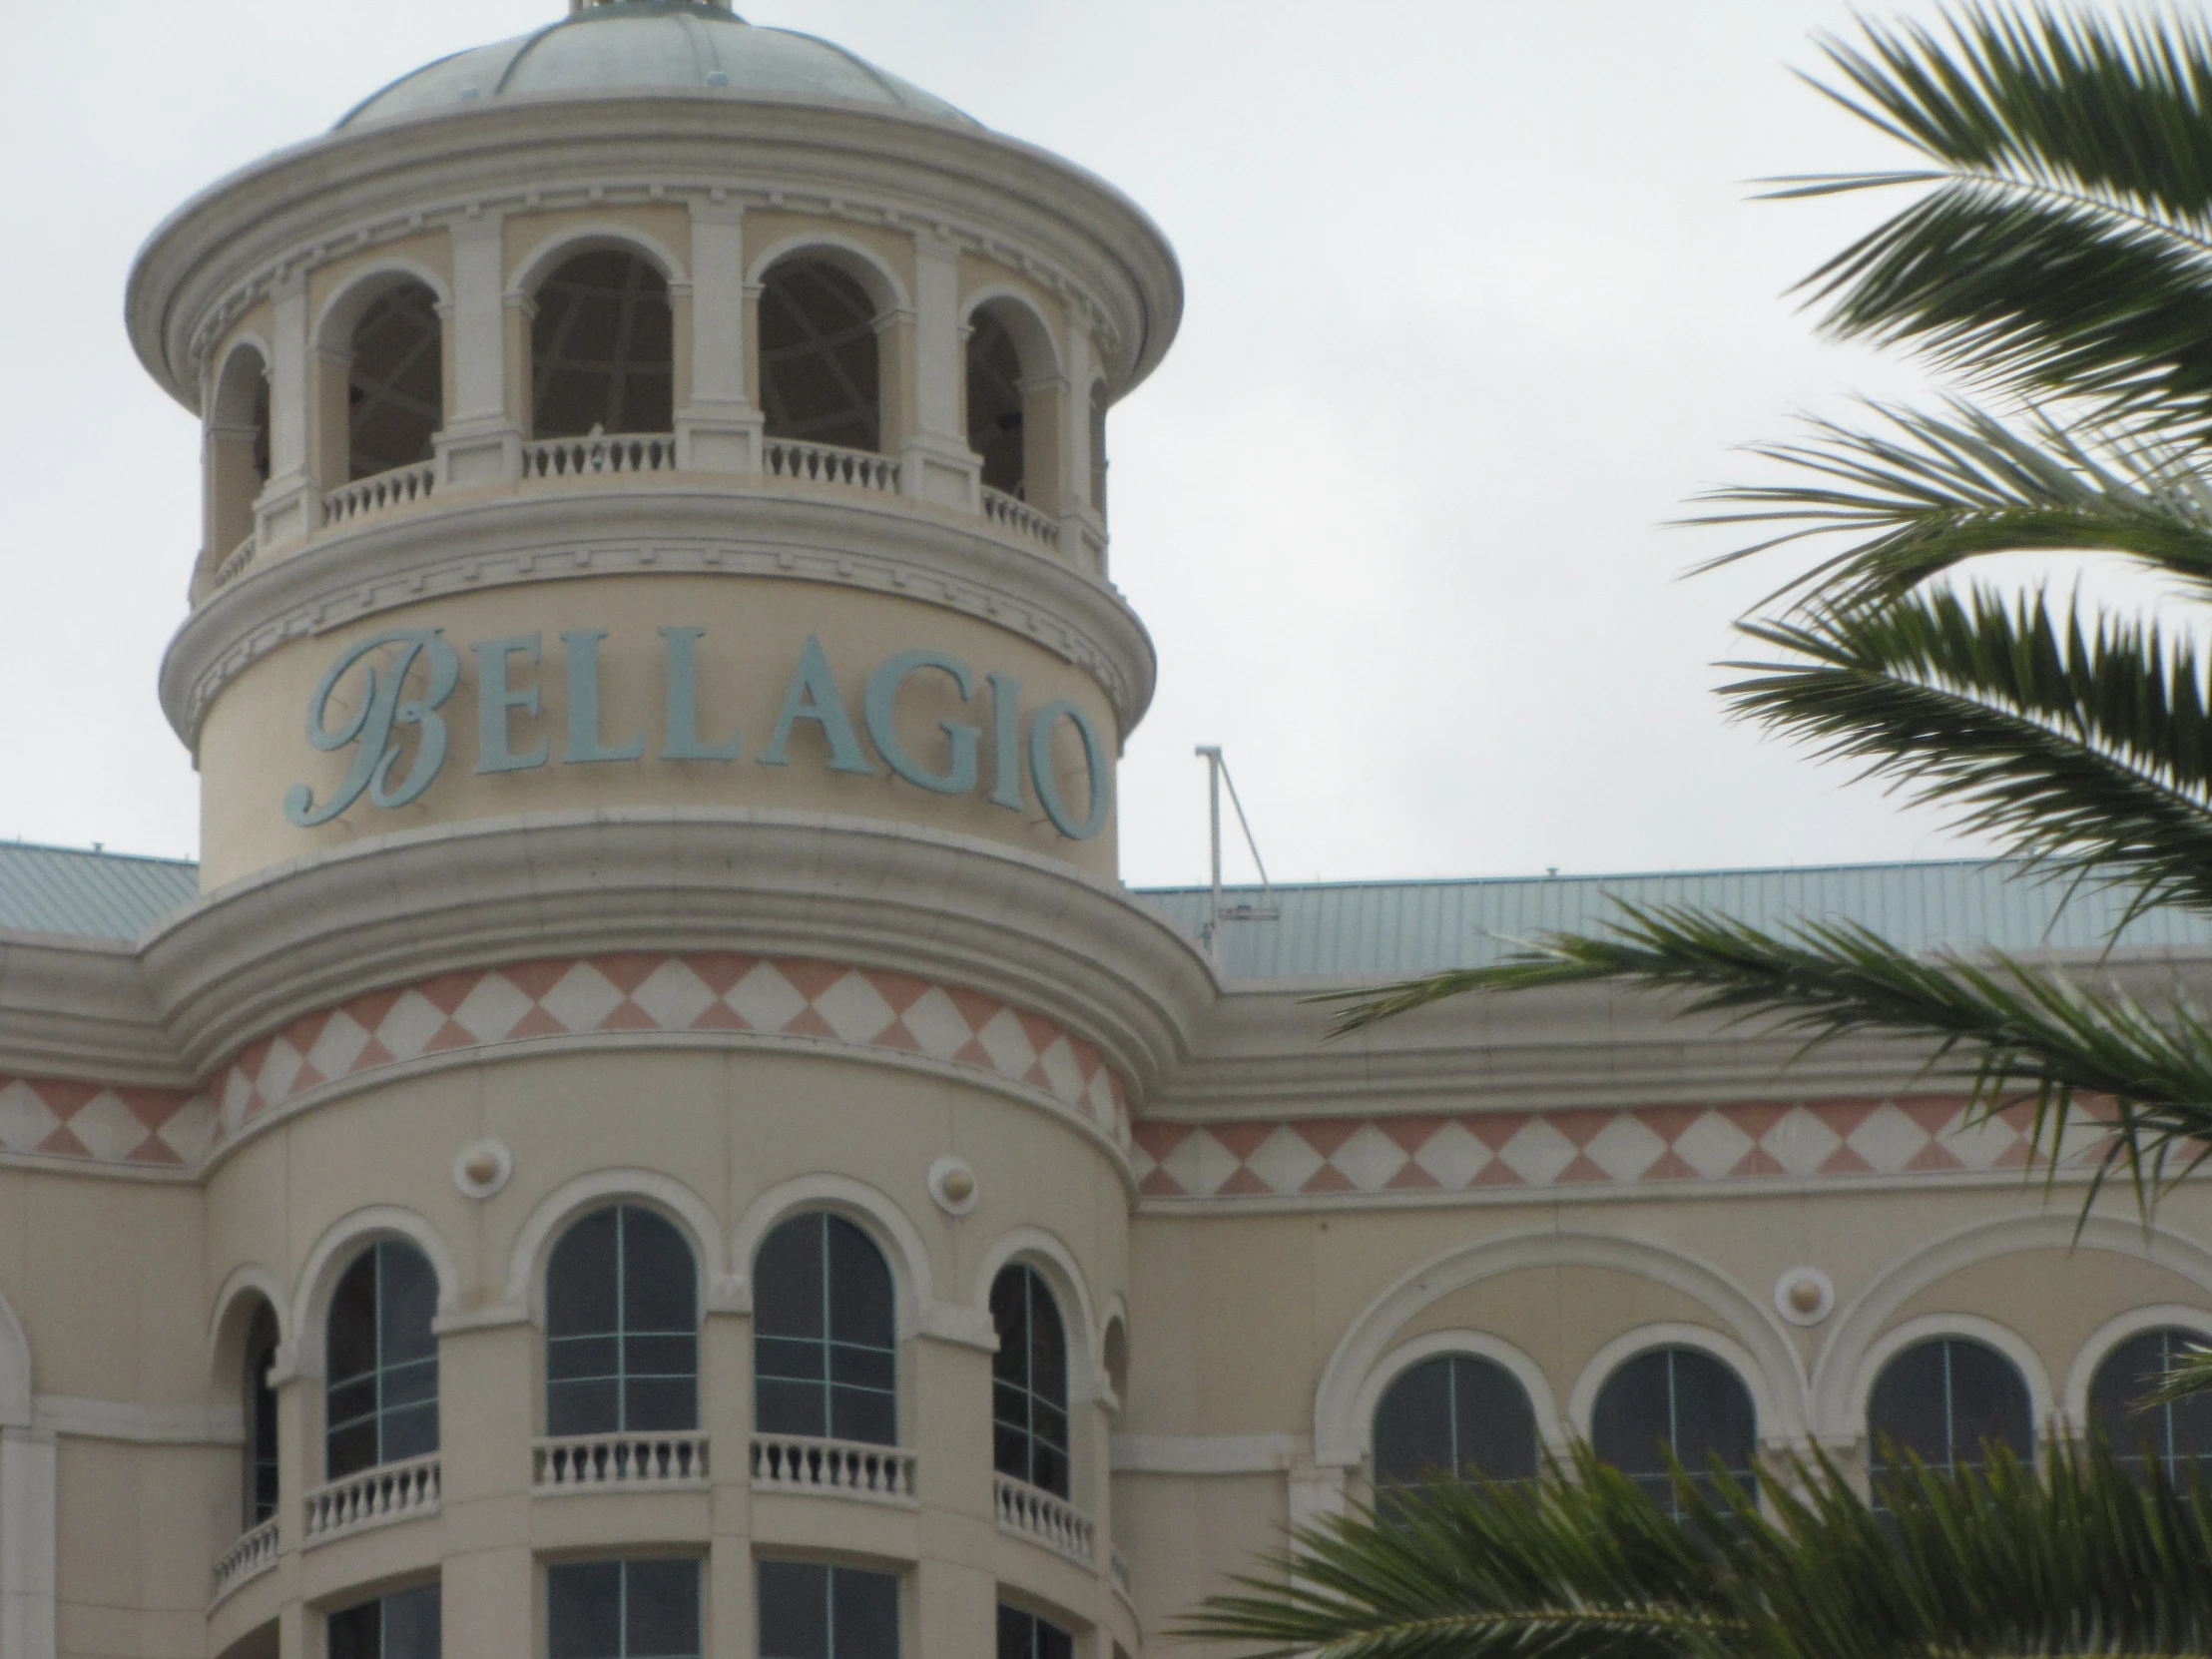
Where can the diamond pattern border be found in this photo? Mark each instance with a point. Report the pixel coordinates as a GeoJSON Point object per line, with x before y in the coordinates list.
{"type": "Point", "coordinates": [1263, 1159]}
{"type": "Point", "coordinates": [647, 991]}
{"type": "Point", "coordinates": [55, 1117]}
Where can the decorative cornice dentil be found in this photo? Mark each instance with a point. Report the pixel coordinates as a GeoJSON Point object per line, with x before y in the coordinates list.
{"type": "Point", "coordinates": [556, 533]}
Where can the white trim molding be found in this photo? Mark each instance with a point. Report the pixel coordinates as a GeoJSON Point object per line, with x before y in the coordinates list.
{"type": "Point", "coordinates": [1038, 1249]}
{"type": "Point", "coordinates": [1552, 1428]}
{"type": "Point", "coordinates": [876, 1214]}
{"type": "Point", "coordinates": [1775, 1376]}
{"type": "Point", "coordinates": [1973, 1328]}
{"type": "Point", "coordinates": [332, 1254]}
{"type": "Point", "coordinates": [1868, 1314]}
{"type": "Point", "coordinates": [1775, 1429]}
{"type": "Point", "coordinates": [2158, 1316]}
{"type": "Point", "coordinates": [692, 1216]}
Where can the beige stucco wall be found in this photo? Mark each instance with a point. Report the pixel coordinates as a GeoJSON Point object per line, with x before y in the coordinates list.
{"type": "Point", "coordinates": [252, 750]}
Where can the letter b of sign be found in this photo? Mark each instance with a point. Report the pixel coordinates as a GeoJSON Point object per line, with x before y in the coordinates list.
{"type": "Point", "coordinates": [380, 708]}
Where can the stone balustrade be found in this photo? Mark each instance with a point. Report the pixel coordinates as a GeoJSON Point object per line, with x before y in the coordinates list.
{"type": "Point", "coordinates": [841, 1468]}
{"type": "Point", "coordinates": [1012, 513]}
{"type": "Point", "coordinates": [1033, 1513]}
{"type": "Point", "coordinates": [403, 486]}
{"type": "Point", "coordinates": [253, 1554]}
{"type": "Point", "coordinates": [374, 1498]}
{"type": "Point", "coordinates": [592, 1463]}
{"type": "Point", "coordinates": [825, 463]}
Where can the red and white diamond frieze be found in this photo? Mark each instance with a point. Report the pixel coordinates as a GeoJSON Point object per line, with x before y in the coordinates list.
{"type": "Point", "coordinates": [1264, 1159]}
{"type": "Point", "coordinates": [54, 1117]}
{"type": "Point", "coordinates": [643, 992]}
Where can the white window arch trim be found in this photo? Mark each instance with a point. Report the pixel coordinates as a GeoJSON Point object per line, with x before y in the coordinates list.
{"type": "Point", "coordinates": [1036, 1247]}
{"type": "Point", "coordinates": [28, 1506]}
{"type": "Point", "coordinates": [327, 1263]}
{"type": "Point", "coordinates": [1034, 339]}
{"type": "Point", "coordinates": [913, 1298]}
{"type": "Point", "coordinates": [1971, 1328]}
{"type": "Point", "coordinates": [1776, 1378]}
{"type": "Point", "coordinates": [2098, 1347]}
{"type": "Point", "coordinates": [1552, 1428]}
{"type": "Point", "coordinates": [569, 1203]}
{"type": "Point", "coordinates": [855, 258]}
{"type": "Point", "coordinates": [248, 1279]}
{"type": "Point", "coordinates": [1700, 1339]}
{"type": "Point", "coordinates": [570, 241]}
{"type": "Point", "coordinates": [331, 328]}
{"type": "Point", "coordinates": [218, 370]}
{"type": "Point", "coordinates": [1858, 1324]}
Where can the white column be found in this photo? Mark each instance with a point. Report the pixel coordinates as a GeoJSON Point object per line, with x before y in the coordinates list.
{"type": "Point", "coordinates": [289, 506]}
{"type": "Point", "coordinates": [27, 1576]}
{"type": "Point", "coordinates": [1082, 525]}
{"type": "Point", "coordinates": [719, 430]}
{"type": "Point", "coordinates": [937, 463]}
{"type": "Point", "coordinates": [480, 444]}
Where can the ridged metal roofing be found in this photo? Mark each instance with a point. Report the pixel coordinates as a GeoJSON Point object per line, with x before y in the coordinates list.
{"type": "Point", "coordinates": [1332, 930]}
{"type": "Point", "coordinates": [108, 896]}
{"type": "Point", "coordinates": [1336, 931]}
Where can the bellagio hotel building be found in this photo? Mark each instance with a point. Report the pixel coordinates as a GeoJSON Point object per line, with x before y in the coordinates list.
{"type": "Point", "coordinates": [653, 1129]}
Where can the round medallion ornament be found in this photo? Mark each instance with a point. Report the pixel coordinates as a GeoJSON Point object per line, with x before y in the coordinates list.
{"type": "Point", "coordinates": [953, 1185]}
{"type": "Point", "coordinates": [481, 1168]}
{"type": "Point", "coordinates": [1803, 1296]}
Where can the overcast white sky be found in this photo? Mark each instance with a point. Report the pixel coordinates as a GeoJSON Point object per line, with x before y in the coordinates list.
{"type": "Point", "coordinates": [1392, 508]}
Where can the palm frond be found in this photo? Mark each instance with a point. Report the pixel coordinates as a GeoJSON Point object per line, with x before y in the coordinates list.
{"type": "Point", "coordinates": [2081, 740]}
{"type": "Point", "coordinates": [1580, 1564]}
{"type": "Point", "coordinates": [1918, 494]}
{"type": "Point", "coordinates": [2067, 240]}
{"type": "Point", "coordinates": [2011, 1033]}
{"type": "Point", "coordinates": [2082, 1556]}
{"type": "Point", "coordinates": [2188, 1376]}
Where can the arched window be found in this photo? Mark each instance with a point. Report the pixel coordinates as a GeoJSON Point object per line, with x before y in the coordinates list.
{"type": "Point", "coordinates": [1029, 1381]}
{"type": "Point", "coordinates": [1945, 1402]}
{"type": "Point", "coordinates": [2178, 1435]}
{"type": "Point", "coordinates": [1678, 1402]}
{"type": "Point", "coordinates": [820, 378]}
{"type": "Point", "coordinates": [381, 1400]}
{"type": "Point", "coordinates": [602, 349]}
{"type": "Point", "coordinates": [1453, 1415]}
{"type": "Point", "coordinates": [825, 1343]}
{"type": "Point", "coordinates": [237, 459]}
{"type": "Point", "coordinates": [621, 1326]}
{"type": "Point", "coordinates": [260, 1418]}
{"type": "Point", "coordinates": [403, 1625]}
{"type": "Point", "coordinates": [395, 383]}
{"type": "Point", "coordinates": [1022, 1635]}
{"type": "Point", "coordinates": [994, 423]}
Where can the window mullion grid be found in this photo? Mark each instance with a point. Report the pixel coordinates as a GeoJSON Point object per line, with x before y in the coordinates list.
{"type": "Point", "coordinates": [377, 1362]}
{"type": "Point", "coordinates": [1951, 1416]}
{"type": "Point", "coordinates": [622, 1344]}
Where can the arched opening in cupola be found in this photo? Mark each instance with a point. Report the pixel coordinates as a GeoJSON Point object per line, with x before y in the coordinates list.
{"type": "Point", "coordinates": [820, 363]}
{"type": "Point", "coordinates": [1098, 449]}
{"type": "Point", "coordinates": [394, 383]}
{"type": "Point", "coordinates": [1014, 402]}
{"type": "Point", "coordinates": [602, 349]}
{"type": "Point", "coordinates": [237, 456]}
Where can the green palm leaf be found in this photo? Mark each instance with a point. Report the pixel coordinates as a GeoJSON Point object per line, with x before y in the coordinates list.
{"type": "Point", "coordinates": [2081, 740]}
{"type": "Point", "coordinates": [2067, 243]}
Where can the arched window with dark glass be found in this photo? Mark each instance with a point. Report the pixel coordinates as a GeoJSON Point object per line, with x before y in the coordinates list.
{"type": "Point", "coordinates": [403, 1625]}
{"type": "Point", "coordinates": [260, 1418]}
{"type": "Point", "coordinates": [825, 1339]}
{"type": "Point", "coordinates": [2178, 1435]}
{"type": "Point", "coordinates": [1946, 1400]}
{"type": "Point", "coordinates": [1454, 1415]}
{"type": "Point", "coordinates": [394, 384]}
{"type": "Point", "coordinates": [1677, 1404]}
{"type": "Point", "coordinates": [602, 349]}
{"type": "Point", "coordinates": [1023, 1635]}
{"type": "Point", "coordinates": [994, 402]}
{"type": "Point", "coordinates": [820, 373]}
{"type": "Point", "coordinates": [381, 1400]}
{"type": "Point", "coordinates": [621, 1326]}
{"type": "Point", "coordinates": [1029, 1381]}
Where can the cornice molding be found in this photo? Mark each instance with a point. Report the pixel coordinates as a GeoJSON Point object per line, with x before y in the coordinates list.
{"type": "Point", "coordinates": [250, 957]}
{"type": "Point", "coordinates": [340, 194]}
{"type": "Point", "coordinates": [78, 1007]}
{"type": "Point", "coordinates": [558, 534]}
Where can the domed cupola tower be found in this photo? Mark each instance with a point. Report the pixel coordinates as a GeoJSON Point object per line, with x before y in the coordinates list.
{"type": "Point", "coordinates": [660, 974]}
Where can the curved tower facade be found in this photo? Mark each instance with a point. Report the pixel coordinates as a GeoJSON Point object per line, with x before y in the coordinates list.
{"type": "Point", "coordinates": [653, 1129]}
{"type": "Point", "coordinates": [657, 690]}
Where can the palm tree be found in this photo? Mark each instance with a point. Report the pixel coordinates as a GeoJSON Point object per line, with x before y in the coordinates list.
{"type": "Point", "coordinates": [2054, 260]}
{"type": "Point", "coordinates": [2080, 1558]}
